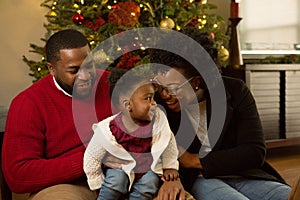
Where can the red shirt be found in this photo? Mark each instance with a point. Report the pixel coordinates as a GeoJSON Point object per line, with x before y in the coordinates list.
{"type": "Point", "coordinates": [45, 134]}
{"type": "Point", "coordinates": [137, 143]}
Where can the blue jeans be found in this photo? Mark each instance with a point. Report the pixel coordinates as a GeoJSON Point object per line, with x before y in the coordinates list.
{"type": "Point", "coordinates": [116, 184]}
{"type": "Point", "coordinates": [239, 189]}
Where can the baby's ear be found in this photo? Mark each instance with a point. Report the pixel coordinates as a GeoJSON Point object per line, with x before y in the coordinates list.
{"type": "Point", "coordinates": [125, 104]}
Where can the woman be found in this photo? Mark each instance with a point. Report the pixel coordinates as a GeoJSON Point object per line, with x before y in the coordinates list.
{"type": "Point", "coordinates": [225, 164]}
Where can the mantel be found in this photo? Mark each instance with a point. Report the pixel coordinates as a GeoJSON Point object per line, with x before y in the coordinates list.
{"type": "Point", "coordinates": [259, 54]}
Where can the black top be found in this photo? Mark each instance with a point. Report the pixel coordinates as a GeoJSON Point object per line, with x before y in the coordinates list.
{"type": "Point", "coordinates": [239, 149]}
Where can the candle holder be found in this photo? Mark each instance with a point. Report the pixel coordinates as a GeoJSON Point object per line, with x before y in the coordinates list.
{"type": "Point", "coordinates": [235, 57]}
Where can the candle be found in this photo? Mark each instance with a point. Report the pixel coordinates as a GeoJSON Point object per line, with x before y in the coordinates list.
{"type": "Point", "coordinates": [234, 9]}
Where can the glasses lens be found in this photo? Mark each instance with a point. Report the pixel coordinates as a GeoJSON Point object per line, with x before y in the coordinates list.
{"type": "Point", "coordinates": [160, 89]}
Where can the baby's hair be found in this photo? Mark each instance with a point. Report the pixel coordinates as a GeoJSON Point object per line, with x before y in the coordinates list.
{"type": "Point", "coordinates": [123, 81]}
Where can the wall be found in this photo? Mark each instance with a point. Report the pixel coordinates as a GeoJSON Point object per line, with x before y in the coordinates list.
{"type": "Point", "coordinates": [22, 24]}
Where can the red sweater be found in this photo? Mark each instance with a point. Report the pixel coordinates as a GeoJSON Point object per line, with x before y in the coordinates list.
{"type": "Point", "coordinates": [44, 136]}
{"type": "Point", "coordinates": [137, 143]}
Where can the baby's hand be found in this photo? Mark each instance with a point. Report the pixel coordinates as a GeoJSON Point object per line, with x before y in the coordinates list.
{"type": "Point", "coordinates": [170, 175]}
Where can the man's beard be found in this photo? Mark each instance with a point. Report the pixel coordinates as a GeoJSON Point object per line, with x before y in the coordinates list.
{"type": "Point", "coordinates": [71, 90]}
{"type": "Point", "coordinates": [67, 88]}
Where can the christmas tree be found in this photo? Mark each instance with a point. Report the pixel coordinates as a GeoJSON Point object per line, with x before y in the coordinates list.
{"type": "Point", "coordinates": [101, 19]}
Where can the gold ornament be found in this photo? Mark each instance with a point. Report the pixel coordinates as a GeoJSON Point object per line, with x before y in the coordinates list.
{"type": "Point", "coordinates": [100, 57]}
{"type": "Point", "coordinates": [51, 16]}
{"type": "Point", "coordinates": [167, 23]}
{"type": "Point", "coordinates": [90, 37]}
{"type": "Point", "coordinates": [223, 54]}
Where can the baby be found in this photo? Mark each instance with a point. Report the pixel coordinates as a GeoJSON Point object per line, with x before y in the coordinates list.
{"type": "Point", "coordinates": [138, 133]}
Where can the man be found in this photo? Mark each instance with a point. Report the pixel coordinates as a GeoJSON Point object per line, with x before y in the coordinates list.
{"type": "Point", "coordinates": [49, 123]}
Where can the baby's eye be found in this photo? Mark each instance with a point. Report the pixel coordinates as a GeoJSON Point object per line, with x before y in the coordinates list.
{"type": "Point", "coordinates": [149, 99]}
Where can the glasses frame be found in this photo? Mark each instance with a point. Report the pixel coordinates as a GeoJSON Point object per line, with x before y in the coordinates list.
{"type": "Point", "coordinates": [171, 91]}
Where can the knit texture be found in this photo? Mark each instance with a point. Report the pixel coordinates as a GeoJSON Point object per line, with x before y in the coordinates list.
{"type": "Point", "coordinates": [43, 144]}
{"type": "Point", "coordinates": [164, 150]}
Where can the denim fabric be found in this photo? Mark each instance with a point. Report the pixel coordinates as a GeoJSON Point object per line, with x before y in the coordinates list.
{"type": "Point", "coordinates": [146, 187]}
{"type": "Point", "coordinates": [239, 189]}
{"type": "Point", "coordinates": [116, 184]}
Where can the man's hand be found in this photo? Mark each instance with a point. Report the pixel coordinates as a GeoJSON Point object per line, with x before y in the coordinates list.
{"type": "Point", "coordinates": [170, 190]}
{"type": "Point", "coordinates": [113, 162]}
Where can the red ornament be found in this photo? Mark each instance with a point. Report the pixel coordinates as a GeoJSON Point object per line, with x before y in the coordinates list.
{"type": "Point", "coordinates": [78, 18]}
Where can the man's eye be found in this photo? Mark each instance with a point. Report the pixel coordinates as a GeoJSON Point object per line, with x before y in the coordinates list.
{"type": "Point", "coordinates": [74, 71]}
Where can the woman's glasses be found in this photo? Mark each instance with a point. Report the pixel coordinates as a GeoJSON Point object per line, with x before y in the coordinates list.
{"type": "Point", "coordinates": [170, 91]}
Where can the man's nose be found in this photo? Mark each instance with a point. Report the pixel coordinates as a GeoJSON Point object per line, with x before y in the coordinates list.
{"type": "Point", "coordinates": [83, 74]}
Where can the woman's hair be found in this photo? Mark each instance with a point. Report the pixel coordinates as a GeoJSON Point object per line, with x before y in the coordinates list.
{"type": "Point", "coordinates": [176, 61]}
{"type": "Point", "coordinates": [65, 39]}
{"type": "Point", "coordinates": [123, 82]}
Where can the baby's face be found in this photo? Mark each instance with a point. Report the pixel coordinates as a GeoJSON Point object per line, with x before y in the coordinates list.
{"type": "Point", "coordinates": [142, 104]}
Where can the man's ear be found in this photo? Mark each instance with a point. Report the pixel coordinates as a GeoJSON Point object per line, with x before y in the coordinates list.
{"type": "Point", "coordinates": [50, 68]}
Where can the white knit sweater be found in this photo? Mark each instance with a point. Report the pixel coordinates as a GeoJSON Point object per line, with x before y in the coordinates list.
{"type": "Point", "coordinates": [163, 150]}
